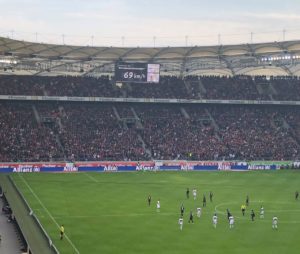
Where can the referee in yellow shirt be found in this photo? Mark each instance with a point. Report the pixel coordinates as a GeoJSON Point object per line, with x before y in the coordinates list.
{"type": "Point", "coordinates": [62, 231]}
{"type": "Point", "coordinates": [243, 208]}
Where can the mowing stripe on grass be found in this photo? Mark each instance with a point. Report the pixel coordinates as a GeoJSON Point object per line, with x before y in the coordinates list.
{"type": "Point", "coordinates": [91, 177]}
{"type": "Point", "coordinates": [47, 211]}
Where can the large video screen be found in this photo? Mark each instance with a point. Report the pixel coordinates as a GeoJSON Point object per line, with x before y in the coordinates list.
{"type": "Point", "coordinates": [137, 72]}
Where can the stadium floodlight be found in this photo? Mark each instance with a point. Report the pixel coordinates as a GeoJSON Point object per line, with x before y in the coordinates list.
{"type": "Point", "coordinates": [8, 61]}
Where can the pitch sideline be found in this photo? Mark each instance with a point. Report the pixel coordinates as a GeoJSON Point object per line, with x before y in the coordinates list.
{"type": "Point", "coordinates": [47, 211]}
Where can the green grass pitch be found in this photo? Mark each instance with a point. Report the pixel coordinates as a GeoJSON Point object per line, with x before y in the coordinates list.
{"type": "Point", "coordinates": [108, 212]}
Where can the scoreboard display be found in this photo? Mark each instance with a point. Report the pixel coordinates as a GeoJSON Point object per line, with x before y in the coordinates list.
{"type": "Point", "coordinates": [137, 72]}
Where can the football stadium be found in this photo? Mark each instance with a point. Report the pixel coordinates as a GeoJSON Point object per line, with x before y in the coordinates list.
{"type": "Point", "coordinates": [149, 149]}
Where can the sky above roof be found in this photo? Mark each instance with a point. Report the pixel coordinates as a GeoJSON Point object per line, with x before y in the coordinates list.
{"type": "Point", "coordinates": [150, 22]}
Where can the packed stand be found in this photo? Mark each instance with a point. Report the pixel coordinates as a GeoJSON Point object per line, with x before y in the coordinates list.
{"type": "Point", "coordinates": [287, 88]}
{"type": "Point", "coordinates": [49, 131]}
{"type": "Point", "coordinates": [233, 88]}
{"type": "Point", "coordinates": [92, 132]}
{"type": "Point", "coordinates": [249, 133]}
{"type": "Point", "coordinates": [22, 85]}
{"type": "Point", "coordinates": [22, 138]}
{"type": "Point", "coordinates": [169, 87]}
{"type": "Point", "coordinates": [58, 86]}
{"type": "Point", "coordinates": [171, 135]}
{"type": "Point", "coordinates": [292, 118]}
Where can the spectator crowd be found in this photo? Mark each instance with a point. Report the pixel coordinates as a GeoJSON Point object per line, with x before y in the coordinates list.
{"type": "Point", "coordinates": [191, 87]}
{"type": "Point", "coordinates": [51, 131]}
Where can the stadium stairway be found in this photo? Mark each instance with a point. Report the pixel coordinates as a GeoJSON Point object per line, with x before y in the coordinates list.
{"type": "Point", "coordinates": [212, 120]}
{"type": "Point", "coordinates": [9, 243]}
{"type": "Point", "coordinates": [116, 113]}
{"type": "Point", "coordinates": [187, 87]}
{"type": "Point", "coordinates": [58, 123]}
{"type": "Point", "coordinates": [214, 123]}
{"type": "Point", "coordinates": [201, 88]}
{"type": "Point", "coordinates": [184, 113]}
{"type": "Point", "coordinates": [137, 119]}
{"type": "Point", "coordinates": [36, 114]}
{"type": "Point", "coordinates": [265, 88]}
{"type": "Point", "coordinates": [140, 126]}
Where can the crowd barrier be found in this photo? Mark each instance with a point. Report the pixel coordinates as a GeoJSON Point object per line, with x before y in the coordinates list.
{"type": "Point", "coordinates": [136, 166]}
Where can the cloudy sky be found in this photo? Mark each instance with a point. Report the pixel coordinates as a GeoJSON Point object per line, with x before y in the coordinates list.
{"type": "Point", "coordinates": [150, 22]}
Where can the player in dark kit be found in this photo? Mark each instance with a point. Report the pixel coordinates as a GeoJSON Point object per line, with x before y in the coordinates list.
{"type": "Point", "coordinates": [296, 195]}
{"type": "Point", "coordinates": [204, 201]}
{"type": "Point", "coordinates": [182, 210]}
{"type": "Point", "coordinates": [228, 213]}
{"type": "Point", "coordinates": [191, 217]}
{"type": "Point", "coordinates": [211, 196]}
{"type": "Point", "coordinates": [149, 200]}
{"type": "Point", "coordinates": [187, 193]}
{"type": "Point", "coordinates": [252, 215]}
{"type": "Point", "coordinates": [247, 200]}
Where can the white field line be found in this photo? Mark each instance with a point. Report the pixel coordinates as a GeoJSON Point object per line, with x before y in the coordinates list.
{"type": "Point", "coordinates": [116, 215]}
{"type": "Point", "coordinates": [47, 211]}
{"type": "Point", "coordinates": [91, 177]}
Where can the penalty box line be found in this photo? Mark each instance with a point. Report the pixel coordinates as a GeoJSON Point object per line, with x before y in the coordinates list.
{"type": "Point", "coordinates": [47, 211]}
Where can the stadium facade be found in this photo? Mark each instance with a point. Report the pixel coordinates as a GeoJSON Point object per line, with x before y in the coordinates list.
{"type": "Point", "coordinates": [269, 59]}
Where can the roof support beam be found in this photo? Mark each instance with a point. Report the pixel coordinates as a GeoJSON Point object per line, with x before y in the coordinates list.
{"type": "Point", "coordinates": [157, 54]}
{"type": "Point", "coordinates": [222, 57]}
{"type": "Point", "coordinates": [287, 69]}
{"type": "Point", "coordinates": [99, 66]}
{"type": "Point", "coordinates": [55, 66]}
{"type": "Point", "coordinates": [187, 53]}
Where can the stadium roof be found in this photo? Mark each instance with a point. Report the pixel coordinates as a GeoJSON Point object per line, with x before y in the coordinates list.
{"type": "Point", "coordinates": [274, 58]}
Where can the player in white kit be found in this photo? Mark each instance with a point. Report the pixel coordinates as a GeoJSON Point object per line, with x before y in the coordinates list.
{"type": "Point", "coordinates": [262, 212]}
{"type": "Point", "coordinates": [180, 222]}
{"type": "Point", "coordinates": [199, 212]}
{"type": "Point", "coordinates": [231, 222]}
{"type": "Point", "coordinates": [158, 206]}
{"type": "Point", "coordinates": [194, 193]}
{"type": "Point", "coordinates": [274, 222]}
{"type": "Point", "coordinates": [215, 220]}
